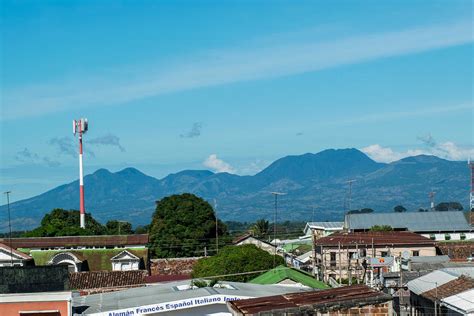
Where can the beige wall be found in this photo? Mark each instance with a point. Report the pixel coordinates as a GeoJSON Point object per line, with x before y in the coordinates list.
{"type": "Point", "coordinates": [259, 244]}
{"type": "Point", "coordinates": [341, 261]}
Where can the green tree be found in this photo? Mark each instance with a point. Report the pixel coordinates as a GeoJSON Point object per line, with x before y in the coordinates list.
{"type": "Point", "coordinates": [261, 228]}
{"type": "Point", "coordinates": [236, 260]}
{"type": "Point", "coordinates": [182, 226]}
{"type": "Point", "coordinates": [60, 222]}
{"type": "Point", "coordinates": [381, 228]}
{"type": "Point", "coordinates": [399, 209]}
{"type": "Point", "coordinates": [115, 227]}
{"type": "Point", "coordinates": [448, 206]}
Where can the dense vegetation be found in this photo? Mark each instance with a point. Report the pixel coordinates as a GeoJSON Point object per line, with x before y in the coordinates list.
{"type": "Point", "coordinates": [66, 223]}
{"type": "Point", "coordinates": [233, 260]}
{"type": "Point", "coordinates": [184, 226]}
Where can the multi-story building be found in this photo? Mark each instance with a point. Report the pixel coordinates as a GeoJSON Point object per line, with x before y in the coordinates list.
{"type": "Point", "coordinates": [438, 226]}
{"type": "Point", "coordinates": [364, 255]}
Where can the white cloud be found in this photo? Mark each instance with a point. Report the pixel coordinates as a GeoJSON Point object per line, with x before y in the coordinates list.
{"type": "Point", "coordinates": [217, 164]}
{"type": "Point", "coordinates": [227, 66]}
{"type": "Point", "coordinates": [447, 150]}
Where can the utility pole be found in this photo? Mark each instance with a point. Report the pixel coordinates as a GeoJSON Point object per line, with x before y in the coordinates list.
{"type": "Point", "coordinates": [217, 233]}
{"type": "Point", "coordinates": [276, 194]}
{"type": "Point", "coordinates": [10, 226]}
{"type": "Point", "coordinates": [432, 204]}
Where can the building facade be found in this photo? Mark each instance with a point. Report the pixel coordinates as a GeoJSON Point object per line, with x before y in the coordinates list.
{"type": "Point", "coordinates": [363, 256]}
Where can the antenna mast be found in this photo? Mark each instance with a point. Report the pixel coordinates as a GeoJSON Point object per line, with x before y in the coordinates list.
{"type": "Point", "coordinates": [432, 204]}
{"type": "Point", "coordinates": [350, 192]}
{"type": "Point", "coordinates": [80, 127]}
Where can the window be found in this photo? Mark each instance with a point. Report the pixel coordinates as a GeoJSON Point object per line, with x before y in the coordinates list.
{"type": "Point", "coordinates": [463, 236]}
{"type": "Point", "coordinates": [432, 236]}
{"type": "Point", "coordinates": [447, 237]}
{"type": "Point", "coordinates": [333, 259]}
{"type": "Point", "coordinates": [384, 253]}
{"type": "Point", "coordinates": [415, 253]}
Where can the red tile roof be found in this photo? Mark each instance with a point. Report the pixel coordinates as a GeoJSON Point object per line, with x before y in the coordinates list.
{"type": "Point", "coordinates": [70, 241]}
{"type": "Point", "coordinates": [459, 285]}
{"type": "Point", "coordinates": [18, 253]}
{"type": "Point", "coordinates": [106, 279]}
{"type": "Point", "coordinates": [343, 298]}
{"type": "Point", "coordinates": [375, 238]}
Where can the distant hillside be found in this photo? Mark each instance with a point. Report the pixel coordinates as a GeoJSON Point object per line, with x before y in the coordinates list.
{"type": "Point", "coordinates": [310, 180]}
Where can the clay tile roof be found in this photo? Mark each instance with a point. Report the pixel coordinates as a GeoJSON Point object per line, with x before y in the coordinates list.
{"type": "Point", "coordinates": [344, 297]}
{"type": "Point", "coordinates": [459, 285]}
{"type": "Point", "coordinates": [106, 279]}
{"type": "Point", "coordinates": [67, 241]}
{"type": "Point", "coordinates": [16, 252]}
{"type": "Point", "coordinates": [377, 238]}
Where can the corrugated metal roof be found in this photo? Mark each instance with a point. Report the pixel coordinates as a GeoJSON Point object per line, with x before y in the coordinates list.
{"type": "Point", "coordinates": [412, 221]}
{"type": "Point", "coordinates": [327, 225]}
{"type": "Point", "coordinates": [437, 278]}
{"type": "Point", "coordinates": [340, 298]}
{"type": "Point", "coordinates": [374, 238]}
{"type": "Point", "coordinates": [459, 285]}
{"type": "Point", "coordinates": [166, 292]}
{"type": "Point", "coordinates": [105, 279]}
{"type": "Point", "coordinates": [462, 302]}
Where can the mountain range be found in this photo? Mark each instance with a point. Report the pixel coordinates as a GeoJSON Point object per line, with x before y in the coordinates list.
{"type": "Point", "coordinates": [316, 187]}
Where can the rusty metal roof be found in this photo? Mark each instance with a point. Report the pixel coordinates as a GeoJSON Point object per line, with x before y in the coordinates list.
{"type": "Point", "coordinates": [73, 241]}
{"type": "Point", "coordinates": [106, 279]}
{"type": "Point", "coordinates": [459, 285]}
{"type": "Point", "coordinates": [343, 297]}
{"type": "Point", "coordinates": [375, 238]}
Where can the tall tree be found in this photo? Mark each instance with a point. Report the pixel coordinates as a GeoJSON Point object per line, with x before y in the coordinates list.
{"type": "Point", "coordinates": [115, 227]}
{"type": "Point", "coordinates": [61, 222]}
{"type": "Point", "coordinates": [237, 261]}
{"type": "Point", "coordinates": [182, 226]}
{"type": "Point", "coordinates": [261, 228]}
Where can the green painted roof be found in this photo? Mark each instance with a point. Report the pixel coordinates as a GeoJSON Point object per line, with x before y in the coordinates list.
{"type": "Point", "coordinates": [97, 259]}
{"type": "Point", "coordinates": [281, 273]}
{"type": "Point", "coordinates": [293, 246]}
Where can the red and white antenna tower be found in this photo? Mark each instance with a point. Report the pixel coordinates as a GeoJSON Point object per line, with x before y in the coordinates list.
{"type": "Point", "coordinates": [80, 127]}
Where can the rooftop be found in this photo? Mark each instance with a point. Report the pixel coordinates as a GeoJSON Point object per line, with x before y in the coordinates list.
{"type": "Point", "coordinates": [282, 273]}
{"type": "Point", "coordinates": [169, 292]}
{"type": "Point", "coordinates": [437, 278]}
{"type": "Point", "coordinates": [16, 253]}
{"type": "Point", "coordinates": [323, 225]}
{"type": "Point", "coordinates": [74, 241]}
{"type": "Point", "coordinates": [374, 238]}
{"type": "Point", "coordinates": [461, 302]}
{"type": "Point", "coordinates": [412, 221]}
{"type": "Point", "coordinates": [459, 285]}
{"type": "Point", "coordinates": [106, 279]}
{"type": "Point", "coordinates": [344, 297]}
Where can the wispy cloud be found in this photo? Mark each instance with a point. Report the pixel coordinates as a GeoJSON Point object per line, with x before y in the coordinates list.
{"type": "Point", "coordinates": [194, 132]}
{"type": "Point", "coordinates": [107, 140]}
{"type": "Point", "coordinates": [27, 156]}
{"type": "Point", "coordinates": [64, 146]}
{"type": "Point", "coordinates": [229, 66]}
{"type": "Point", "coordinates": [217, 164]}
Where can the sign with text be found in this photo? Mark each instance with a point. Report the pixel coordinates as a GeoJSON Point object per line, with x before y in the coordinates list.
{"type": "Point", "coordinates": [172, 306]}
{"type": "Point", "coordinates": [381, 262]}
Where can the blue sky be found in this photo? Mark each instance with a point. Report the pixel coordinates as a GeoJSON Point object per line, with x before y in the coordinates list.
{"type": "Point", "coordinates": [228, 85]}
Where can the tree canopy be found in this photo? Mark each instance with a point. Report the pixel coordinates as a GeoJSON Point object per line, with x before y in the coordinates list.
{"type": "Point", "coordinates": [60, 222]}
{"type": "Point", "coordinates": [448, 206]}
{"type": "Point", "coordinates": [381, 228]}
{"type": "Point", "coordinates": [261, 228]}
{"type": "Point", "coordinates": [235, 260]}
{"type": "Point", "coordinates": [182, 226]}
{"type": "Point", "coordinates": [399, 209]}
